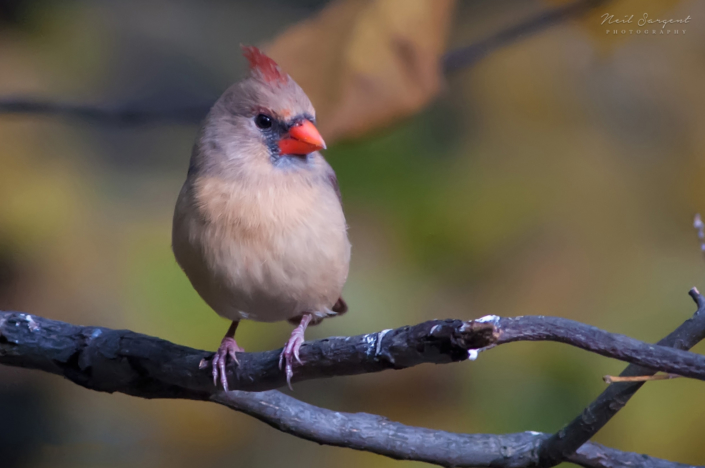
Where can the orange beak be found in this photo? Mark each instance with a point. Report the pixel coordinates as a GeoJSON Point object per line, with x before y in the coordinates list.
{"type": "Point", "coordinates": [303, 139]}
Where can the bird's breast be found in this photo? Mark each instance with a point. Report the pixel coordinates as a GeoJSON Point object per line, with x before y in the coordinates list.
{"type": "Point", "coordinates": [267, 251]}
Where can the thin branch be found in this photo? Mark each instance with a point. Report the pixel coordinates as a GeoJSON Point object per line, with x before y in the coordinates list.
{"type": "Point", "coordinates": [598, 413]}
{"type": "Point", "coordinates": [468, 56]}
{"type": "Point", "coordinates": [123, 361]}
{"type": "Point", "coordinates": [125, 114]}
{"type": "Point", "coordinates": [372, 433]}
{"type": "Point", "coordinates": [138, 114]}
{"type": "Point", "coordinates": [540, 328]}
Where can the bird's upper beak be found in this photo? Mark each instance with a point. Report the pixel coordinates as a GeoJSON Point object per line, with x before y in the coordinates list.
{"type": "Point", "coordinates": [303, 139]}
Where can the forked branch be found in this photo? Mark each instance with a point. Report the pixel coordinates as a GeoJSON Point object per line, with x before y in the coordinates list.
{"type": "Point", "coordinates": [123, 361]}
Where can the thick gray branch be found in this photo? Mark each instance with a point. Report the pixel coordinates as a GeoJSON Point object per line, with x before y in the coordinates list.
{"type": "Point", "coordinates": [123, 361]}
{"type": "Point", "coordinates": [117, 360]}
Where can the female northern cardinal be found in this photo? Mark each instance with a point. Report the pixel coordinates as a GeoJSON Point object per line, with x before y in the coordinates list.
{"type": "Point", "coordinates": [259, 228]}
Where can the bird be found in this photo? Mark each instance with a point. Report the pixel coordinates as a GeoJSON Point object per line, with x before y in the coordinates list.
{"type": "Point", "coordinates": [258, 227]}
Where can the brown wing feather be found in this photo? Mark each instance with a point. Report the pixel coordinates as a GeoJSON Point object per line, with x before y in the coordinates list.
{"type": "Point", "coordinates": [340, 307]}
{"type": "Point", "coordinates": [334, 183]}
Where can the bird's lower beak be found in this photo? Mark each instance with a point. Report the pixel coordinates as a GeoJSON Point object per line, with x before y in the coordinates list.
{"type": "Point", "coordinates": [303, 139]}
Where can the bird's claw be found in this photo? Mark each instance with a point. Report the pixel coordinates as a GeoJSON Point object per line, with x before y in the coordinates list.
{"type": "Point", "coordinates": [291, 352]}
{"type": "Point", "coordinates": [228, 347]}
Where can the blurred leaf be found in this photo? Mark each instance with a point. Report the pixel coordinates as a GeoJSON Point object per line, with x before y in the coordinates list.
{"type": "Point", "coordinates": [367, 63]}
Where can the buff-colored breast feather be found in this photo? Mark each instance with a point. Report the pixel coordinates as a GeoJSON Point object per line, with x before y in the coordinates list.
{"type": "Point", "coordinates": [270, 249]}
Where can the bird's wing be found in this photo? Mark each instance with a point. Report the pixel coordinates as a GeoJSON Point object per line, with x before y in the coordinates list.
{"type": "Point", "coordinates": [340, 306]}
{"type": "Point", "coordinates": [332, 179]}
{"type": "Point", "coordinates": [334, 183]}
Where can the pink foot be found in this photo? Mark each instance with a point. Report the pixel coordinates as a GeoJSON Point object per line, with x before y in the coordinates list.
{"type": "Point", "coordinates": [228, 347]}
{"type": "Point", "coordinates": [292, 347]}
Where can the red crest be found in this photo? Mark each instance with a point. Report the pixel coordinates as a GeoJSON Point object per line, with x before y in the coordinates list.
{"type": "Point", "coordinates": [264, 66]}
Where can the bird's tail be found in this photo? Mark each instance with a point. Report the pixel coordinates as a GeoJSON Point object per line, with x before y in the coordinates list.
{"type": "Point", "coordinates": [340, 306]}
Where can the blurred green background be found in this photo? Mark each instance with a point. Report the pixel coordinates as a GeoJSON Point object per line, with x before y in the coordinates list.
{"type": "Point", "coordinates": [558, 176]}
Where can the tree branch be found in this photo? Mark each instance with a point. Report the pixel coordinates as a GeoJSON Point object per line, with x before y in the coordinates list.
{"type": "Point", "coordinates": [624, 348]}
{"type": "Point", "coordinates": [616, 396]}
{"type": "Point", "coordinates": [120, 114]}
{"type": "Point", "coordinates": [468, 56]}
{"type": "Point", "coordinates": [593, 418]}
{"type": "Point", "coordinates": [133, 363]}
{"type": "Point", "coordinates": [372, 433]}
{"type": "Point", "coordinates": [123, 361]}
{"type": "Point", "coordinates": [138, 114]}
{"type": "Point", "coordinates": [127, 359]}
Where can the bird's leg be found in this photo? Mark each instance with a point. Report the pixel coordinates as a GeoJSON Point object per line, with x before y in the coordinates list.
{"type": "Point", "coordinates": [291, 348]}
{"type": "Point", "coordinates": [228, 347]}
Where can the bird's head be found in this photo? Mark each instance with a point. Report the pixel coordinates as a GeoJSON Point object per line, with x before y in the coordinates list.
{"type": "Point", "coordinates": [265, 119]}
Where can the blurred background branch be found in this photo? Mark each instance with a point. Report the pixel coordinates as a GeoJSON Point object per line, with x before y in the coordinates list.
{"type": "Point", "coordinates": [467, 56]}
{"type": "Point", "coordinates": [131, 114]}
{"type": "Point", "coordinates": [285, 46]}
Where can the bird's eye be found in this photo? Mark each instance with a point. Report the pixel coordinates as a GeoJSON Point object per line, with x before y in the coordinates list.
{"type": "Point", "coordinates": [263, 121]}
